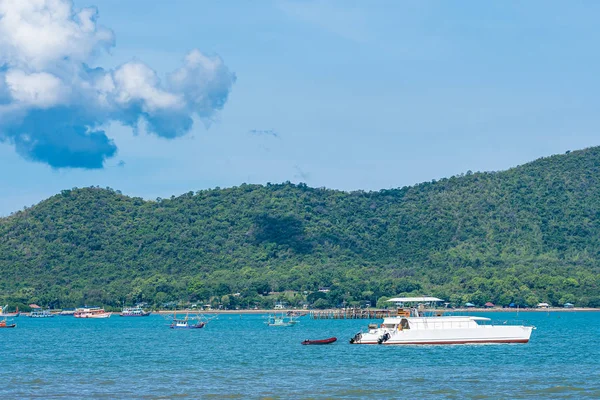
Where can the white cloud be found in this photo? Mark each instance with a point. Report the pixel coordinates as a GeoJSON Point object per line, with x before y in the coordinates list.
{"type": "Point", "coordinates": [203, 81]}
{"type": "Point", "coordinates": [39, 89]}
{"type": "Point", "coordinates": [137, 82]}
{"type": "Point", "coordinates": [38, 34]}
{"type": "Point", "coordinates": [45, 49]}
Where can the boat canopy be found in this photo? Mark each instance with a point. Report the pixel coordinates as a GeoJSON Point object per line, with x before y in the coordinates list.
{"type": "Point", "coordinates": [414, 299]}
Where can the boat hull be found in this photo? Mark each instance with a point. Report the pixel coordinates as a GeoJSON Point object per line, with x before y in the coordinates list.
{"type": "Point", "coordinates": [319, 342]}
{"type": "Point", "coordinates": [481, 335]}
{"type": "Point", "coordinates": [447, 342]}
{"type": "Point", "coordinates": [134, 315]}
{"type": "Point", "coordinates": [10, 315]}
{"type": "Point", "coordinates": [8, 326]}
{"type": "Point", "coordinates": [98, 316]}
{"type": "Point", "coordinates": [199, 326]}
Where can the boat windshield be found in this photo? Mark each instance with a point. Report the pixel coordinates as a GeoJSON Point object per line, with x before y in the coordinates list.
{"type": "Point", "coordinates": [404, 324]}
{"type": "Point", "coordinates": [416, 306]}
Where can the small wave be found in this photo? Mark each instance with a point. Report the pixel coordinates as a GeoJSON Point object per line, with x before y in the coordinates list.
{"type": "Point", "coordinates": [557, 389]}
{"type": "Point", "coordinates": [227, 396]}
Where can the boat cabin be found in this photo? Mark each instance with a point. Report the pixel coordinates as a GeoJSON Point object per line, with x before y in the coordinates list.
{"type": "Point", "coordinates": [428, 323]}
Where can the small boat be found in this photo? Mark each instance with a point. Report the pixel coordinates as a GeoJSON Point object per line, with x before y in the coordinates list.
{"type": "Point", "coordinates": [39, 313]}
{"type": "Point", "coordinates": [134, 312]}
{"type": "Point", "coordinates": [4, 324]}
{"type": "Point", "coordinates": [296, 314]}
{"type": "Point", "coordinates": [322, 341]}
{"type": "Point", "coordinates": [185, 324]}
{"type": "Point", "coordinates": [91, 312]}
{"type": "Point", "coordinates": [280, 321]}
{"type": "Point", "coordinates": [198, 321]}
{"type": "Point", "coordinates": [4, 312]}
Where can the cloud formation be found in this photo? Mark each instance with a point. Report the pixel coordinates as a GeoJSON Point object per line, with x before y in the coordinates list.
{"type": "Point", "coordinates": [53, 105]}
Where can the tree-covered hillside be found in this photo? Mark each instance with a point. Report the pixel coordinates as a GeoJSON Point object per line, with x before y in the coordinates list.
{"type": "Point", "coordinates": [525, 235]}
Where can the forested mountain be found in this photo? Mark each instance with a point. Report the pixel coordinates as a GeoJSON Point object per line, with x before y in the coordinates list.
{"type": "Point", "coordinates": [528, 234]}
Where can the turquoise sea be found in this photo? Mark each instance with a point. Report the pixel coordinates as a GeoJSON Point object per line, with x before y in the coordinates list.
{"type": "Point", "coordinates": [238, 356]}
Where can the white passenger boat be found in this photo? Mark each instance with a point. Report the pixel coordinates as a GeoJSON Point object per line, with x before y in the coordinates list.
{"type": "Point", "coordinates": [415, 325]}
{"type": "Point", "coordinates": [91, 312]}
{"type": "Point", "coordinates": [39, 313]}
{"type": "Point", "coordinates": [136, 311]}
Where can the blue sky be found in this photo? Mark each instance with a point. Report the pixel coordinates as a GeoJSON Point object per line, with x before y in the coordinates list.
{"type": "Point", "coordinates": [346, 95]}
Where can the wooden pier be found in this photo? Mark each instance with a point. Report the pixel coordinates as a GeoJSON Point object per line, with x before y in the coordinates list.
{"type": "Point", "coordinates": [352, 313]}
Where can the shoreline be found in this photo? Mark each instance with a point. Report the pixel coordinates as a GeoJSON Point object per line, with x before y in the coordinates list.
{"type": "Point", "coordinates": [307, 312]}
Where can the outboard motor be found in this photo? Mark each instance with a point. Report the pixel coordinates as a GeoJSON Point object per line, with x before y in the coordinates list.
{"type": "Point", "coordinates": [384, 338]}
{"type": "Point", "coordinates": [356, 338]}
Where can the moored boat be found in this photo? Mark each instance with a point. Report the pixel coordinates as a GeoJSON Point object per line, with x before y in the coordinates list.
{"type": "Point", "coordinates": [189, 321]}
{"type": "Point", "coordinates": [134, 312]}
{"type": "Point", "coordinates": [4, 312]}
{"type": "Point", "coordinates": [321, 341]}
{"type": "Point", "coordinates": [5, 324]}
{"type": "Point", "coordinates": [40, 313]}
{"type": "Point", "coordinates": [91, 312]}
{"type": "Point", "coordinates": [414, 325]}
{"type": "Point", "coordinates": [280, 321]}
{"type": "Point", "coordinates": [186, 322]}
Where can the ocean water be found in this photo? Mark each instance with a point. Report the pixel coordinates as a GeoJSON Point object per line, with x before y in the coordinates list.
{"type": "Point", "coordinates": [239, 357]}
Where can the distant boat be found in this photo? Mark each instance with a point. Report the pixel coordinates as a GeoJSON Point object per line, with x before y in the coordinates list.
{"type": "Point", "coordinates": [39, 313]}
{"type": "Point", "coordinates": [91, 312]}
{"type": "Point", "coordinates": [280, 321]}
{"type": "Point", "coordinates": [134, 312]}
{"type": "Point", "coordinates": [187, 322]}
{"type": "Point", "coordinates": [322, 341]}
{"type": "Point", "coordinates": [4, 324]}
{"type": "Point", "coordinates": [4, 312]}
{"type": "Point", "coordinates": [298, 314]}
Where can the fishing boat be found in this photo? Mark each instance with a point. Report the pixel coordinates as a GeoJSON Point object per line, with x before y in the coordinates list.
{"type": "Point", "coordinates": [322, 341]}
{"type": "Point", "coordinates": [91, 312]}
{"type": "Point", "coordinates": [280, 321]}
{"type": "Point", "coordinates": [416, 325]}
{"type": "Point", "coordinates": [5, 324]}
{"type": "Point", "coordinates": [40, 313]}
{"type": "Point", "coordinates": [4, 312]}
{"type": "Point", "coordinates": [134, 312]}
{"type": "Point", "coordinates": [297, 314]}
{"type": "Point", "coordinates": [188, 322]}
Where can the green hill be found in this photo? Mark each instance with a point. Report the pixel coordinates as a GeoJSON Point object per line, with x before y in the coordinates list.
{"type": "Point", "coordinates": [524, 235]}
